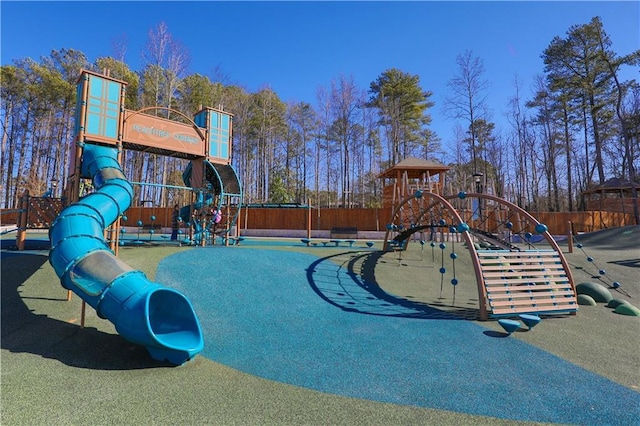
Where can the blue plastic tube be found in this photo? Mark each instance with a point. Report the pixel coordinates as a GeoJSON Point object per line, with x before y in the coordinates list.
{"type": "Point", "coordinates": [143, 312]}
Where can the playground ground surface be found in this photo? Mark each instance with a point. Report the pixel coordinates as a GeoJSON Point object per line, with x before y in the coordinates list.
{"type": "Point", "coordinates": [321, 336]}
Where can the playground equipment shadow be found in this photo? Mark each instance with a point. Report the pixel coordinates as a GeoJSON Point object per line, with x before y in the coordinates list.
{"type": "Point", "coordinates": [298, 335]}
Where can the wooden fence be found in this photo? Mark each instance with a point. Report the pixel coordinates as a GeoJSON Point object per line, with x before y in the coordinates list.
{"type": "Point", "coordinates": [588, 221]}
{"type": "Point", "coordinates": [376, 219]}
{"type": "Point", "coordinates": [362, 219]}
{"type": "Point", "coordinates": [321, 219]}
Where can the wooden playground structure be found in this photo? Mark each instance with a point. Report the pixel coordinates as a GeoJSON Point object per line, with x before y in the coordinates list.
{"type": "Point", "coordinates": [101, 119]}
{"type": "Point", "coordinates": [513, 276]}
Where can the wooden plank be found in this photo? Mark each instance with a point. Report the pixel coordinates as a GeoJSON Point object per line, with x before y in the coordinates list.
{"type": "Point", "coordinates": [533, 303]}
{"type": "Point", "coordinates": [565, 307]}
{"type": "Point", "coordinates": [533, 296]}
{"type": "Point", "coordinates": [557, 283]}
{"type": "Point", "coordinates": [530, 273]}
{"type": "Point", "coordinates": [515, 286]}
{"type": "Point", "coordinates": [521, 261]}
{"type": "Point", "coordinates": [522, 267]}
{"type": "Point", "coordinates": [536, 288]}
{"type": "Point", "coordinates": [510, 253]}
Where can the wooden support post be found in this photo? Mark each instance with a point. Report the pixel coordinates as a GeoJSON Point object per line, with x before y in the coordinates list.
{"type": "Point", "coordinates": [570, 236]}
{"type": "Point", "coordinates": [203, 238]}
{"type": "Point", "coordinates": [246, 218]}
{"type": "Point", "coordinates": [22, 220]}
{"type": "Point", "coordinates": [226, 236]}
{"type": "Point", "coordinates": [83, 313]}
{"type": "Point", "coordinates": [308, 221]}
{"type": "Point", "coordinates": [239, 218]}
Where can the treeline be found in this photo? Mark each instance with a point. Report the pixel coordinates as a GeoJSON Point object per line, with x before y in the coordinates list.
{"type": "Point", "coordinates": [579, 129]}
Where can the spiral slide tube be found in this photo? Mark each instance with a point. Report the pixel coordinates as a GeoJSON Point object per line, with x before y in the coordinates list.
{"type": "Point", "coordinates": [159, 318]}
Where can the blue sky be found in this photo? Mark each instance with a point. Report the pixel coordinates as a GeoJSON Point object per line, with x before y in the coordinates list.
{"type": "Point", "coordinates": [294, 47]}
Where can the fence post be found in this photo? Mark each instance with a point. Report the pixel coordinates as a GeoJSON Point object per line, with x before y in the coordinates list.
{"type": "Point", "coordinates": [308, 220]}
{"type": "Point", "coordinates": [22, 220]}
{"type": "Point", "coordinates": [570, 236]}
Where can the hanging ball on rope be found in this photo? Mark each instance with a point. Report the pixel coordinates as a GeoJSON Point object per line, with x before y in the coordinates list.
{"type": "Point", "coordinates": [179, 219]}
{"type": "Point", "coordinates": [541, 228]}
{"type": "Point", "coordinates": [122, 230]}
{"type": "Point", "coordinates": [454, 281]}
{"type": "Point", "coordinates": [528, 235]}
{"type": "Point", "coordinates": [124, 218]}
{"type": "Point", "coordinates": [151, 231]}
{"type": "Point", "coordinates": [453, 255]}
{"type": "Point", "coordinates": [421, 242]}
{"type": "Point", "coordinates": [418, 194]}
{"type": "Point", "coordinates": [153, 217]}
{"type": "Point", "coordinates": [139, 223]}
{"type": "Point", "coordinates": [121, 243]}
{"type": "Point", "coordinates": [463, 227]}
{"type": "Point", "coordinates": [443, 270]}
{"type": "Point", "coordinates": [389, 226]}
{"type": "Point", "coordinates": [589, 259]}
{"type": "Point", "coordinates": [579, 245]}
{"type": "Point", "coordinates": [462, 195]}
{"type": "Point", "coordinates": [509, 225]}
{"type": "Point", "coordinates": [432, 244]}
{"type": "Point", "coordinates": [442, 222]}
{"type": "Point", "coordinates": [616, 284]}
{"type": "Point", "coordinates": [452, 229]}
{"type": "Point", "coordinates": [602, 272]}
{"type": "Point", "coordinates": [443, 246]}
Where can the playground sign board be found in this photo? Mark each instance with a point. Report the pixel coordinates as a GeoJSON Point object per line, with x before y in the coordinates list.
{"type": "Point", "coordinates": [156, 132]}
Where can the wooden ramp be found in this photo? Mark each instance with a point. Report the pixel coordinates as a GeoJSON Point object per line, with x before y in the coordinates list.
{"type": "Point", "coordinates": [531, 281]}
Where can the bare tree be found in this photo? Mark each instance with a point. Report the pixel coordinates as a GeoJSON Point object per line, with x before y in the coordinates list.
{"type": "Point", "coordinates": [345, 100]}
{"type": "Point", "coordinates": [167, 61]}
{"type": "Point", "coordinates": [468, 100]}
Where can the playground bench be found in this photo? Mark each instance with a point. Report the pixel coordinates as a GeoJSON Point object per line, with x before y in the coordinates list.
{"type": "Point", "coordinates": [344, 232]}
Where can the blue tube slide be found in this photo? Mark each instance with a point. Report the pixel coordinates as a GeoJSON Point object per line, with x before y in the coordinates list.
{"type": "Point", "coordinates": [146, 313]}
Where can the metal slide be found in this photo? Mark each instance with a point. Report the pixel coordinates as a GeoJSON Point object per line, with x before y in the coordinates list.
{"type": "Point", "coordinates": [143, 312]}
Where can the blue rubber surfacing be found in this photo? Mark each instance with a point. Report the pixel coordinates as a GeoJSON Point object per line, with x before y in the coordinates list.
{"type": "Point", "coordinates": [261, 313]}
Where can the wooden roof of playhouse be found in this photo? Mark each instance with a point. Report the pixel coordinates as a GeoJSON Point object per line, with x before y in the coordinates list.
{"type": "Point", "coordinates": [416, 168]}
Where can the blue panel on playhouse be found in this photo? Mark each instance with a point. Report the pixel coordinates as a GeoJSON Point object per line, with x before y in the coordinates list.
{"type": "Point", "coordinates": [201, 119]}
{"type": "Point", "coordinates": [103, 107]}
{"type": "Point", "coordinates": [219, 135]}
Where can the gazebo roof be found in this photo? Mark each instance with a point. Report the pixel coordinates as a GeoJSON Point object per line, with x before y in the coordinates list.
{"type": "Point", "coordinates": [415, 168]}
{"type": "Point", "coordinates": [613, 185]}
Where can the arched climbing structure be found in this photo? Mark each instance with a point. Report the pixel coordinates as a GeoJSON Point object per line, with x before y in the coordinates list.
{"type": "Point", "coordinates": [519, 266]}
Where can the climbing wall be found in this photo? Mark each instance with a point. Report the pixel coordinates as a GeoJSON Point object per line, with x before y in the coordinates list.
{"type": "Point", "coordinates": [529, 281]}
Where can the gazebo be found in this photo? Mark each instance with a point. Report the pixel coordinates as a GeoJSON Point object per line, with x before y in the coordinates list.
{"type": "Point", "coordinates": [409, 175]}
{"type": "Point", "coordinates": [614, 195]}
